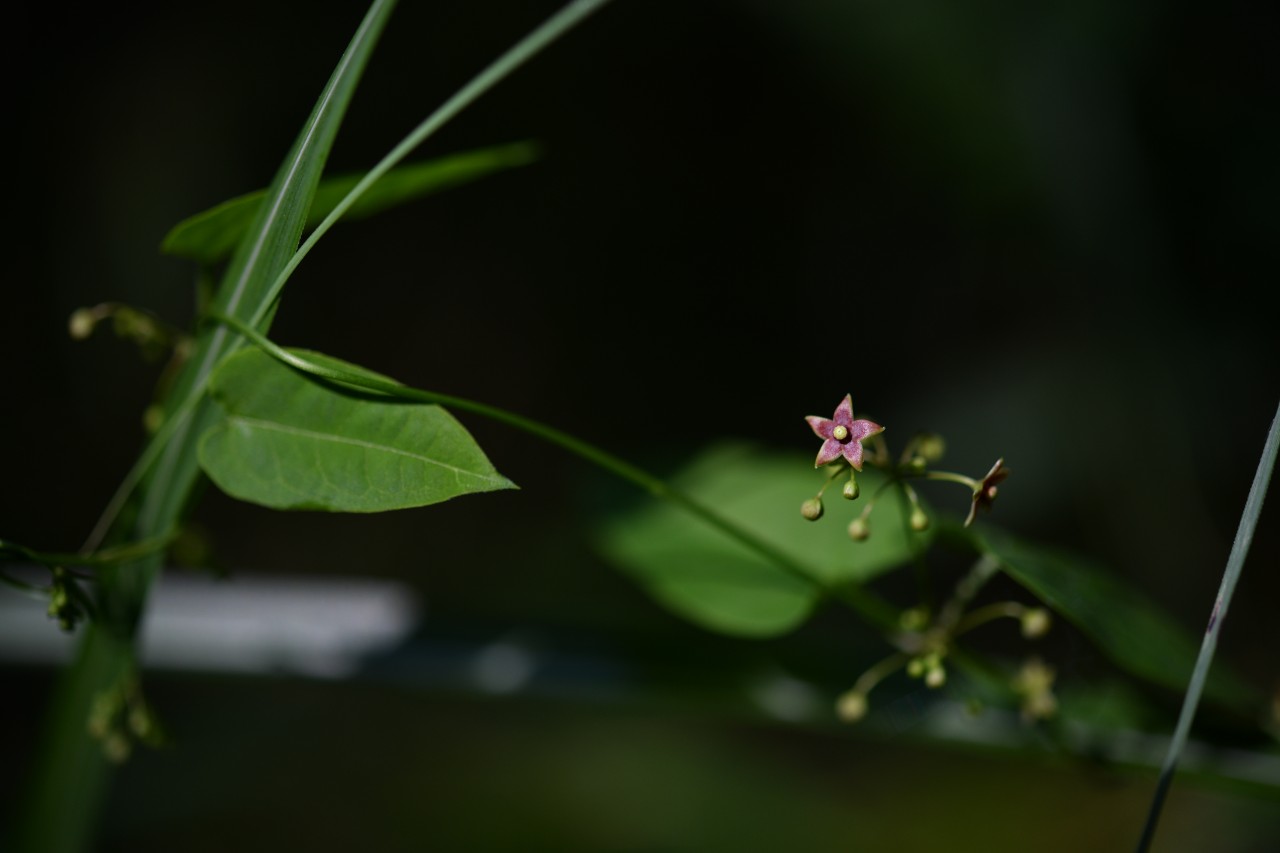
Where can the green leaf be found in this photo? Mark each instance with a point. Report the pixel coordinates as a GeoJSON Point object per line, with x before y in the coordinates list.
{"type": "Point", "coordinates": [717, 582]}
{"type": "Point", "coordinates": [211, 235]}
{"type": "Point", "coordinates": [1131, 630]}
{"type": "Point", "coordinates": [290, 441]}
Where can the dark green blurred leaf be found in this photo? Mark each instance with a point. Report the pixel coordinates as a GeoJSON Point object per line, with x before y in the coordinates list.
{"type": "Point", "coordinates": [291, 442]}
{"type": "Point", "coordinates": [715, 581]}
{"type": "Point", "coordinates": [210, 236]}
{"type": "Point", "coordinates": [1126, 626]}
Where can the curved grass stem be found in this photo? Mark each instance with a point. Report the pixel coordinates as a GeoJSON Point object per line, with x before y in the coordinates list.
{"type": "Point", "coordinates": [1235, 564]}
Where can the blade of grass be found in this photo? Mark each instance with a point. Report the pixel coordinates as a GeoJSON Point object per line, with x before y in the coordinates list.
{"type": "Point", "coordinates": [531, 45]}
{"type": "Point", "coordinates": [1235, 564]}
{"type": "Point", "coordinates": [72, 774]}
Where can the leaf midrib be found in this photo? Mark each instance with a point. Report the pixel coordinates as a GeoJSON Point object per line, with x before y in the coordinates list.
{"type": "Point", "coordinates": [276, 426]}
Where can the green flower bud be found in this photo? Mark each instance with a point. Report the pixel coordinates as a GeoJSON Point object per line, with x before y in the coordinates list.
{"type": "Point", "coordinates": [851, 491]}
{"type": "Point", "coordinates": [916, 465]}
{"type": "Point", "coordinates": [852, 706]}
{"type": "Point", "coordinates": [81, 323]}
{"type": "Point", "coordinates": [915, 667]}
{"type": "Point", "coordinates": [931, 447]}
{"type": "Point", "coordinates": [153, 418]}
{"type": "Point", "coordinates": [1036, 622]}
{"type": "Point", "coordinates": [812, 509]}
{"type": "Point", "coordinates": [915, 619]}
{"type": "Point", "coordinates": [935, 677]}
{"type": "Point", "coordinates": [859, 530]}
{"type": "Point", "coordinates": [116, 747]}
{"type": "Point", "coordinates": [919, 521]}
{"type": "Point", "coordinates": [102, 713]}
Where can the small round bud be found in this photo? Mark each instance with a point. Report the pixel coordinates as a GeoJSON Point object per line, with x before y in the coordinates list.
{"type": "Point", "coordinates": [931, 447]}
{"type": "Point", "coordinates": [915, 667]}
{"type": "Point", "coordinates": [914, 619]}
{"type": "Point", "coordinates": [116, 747]}
{"type": "Point", "coordinates": [919, 521]}
{"type": "Point", "coordinates": [1036, 622]}
{"type": "Point", "coordinates": [916, 465]}
{"type": "Point", "coordinates": [851, 490]}
{"type": "Point", "coordinates": [859, 530]}
{"type": "Point", "coordinates": [81, 323]}
{"type": "Point", "coordinates": [935, 677]}
{"type": "Point", "coordinates": [153, 418]}
{"type": "Point", "coordinates": [812, 509]}
{"type": "Point", "coordinates": [141, 723]}
{"type": "Point", "coordinates": [840, 432]}
{"type": "Point", "coordinates": [852, 706]}
{"type": "Point", "coordinates": [102, 713]}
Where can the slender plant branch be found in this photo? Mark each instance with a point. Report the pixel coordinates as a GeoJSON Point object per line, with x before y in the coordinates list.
{"type": "Point", "coordinates": [105, 557]}
{"type": "Point", "coordinates": [859, 599]}
{"type": "Point", "coordinates": [1235, 564]}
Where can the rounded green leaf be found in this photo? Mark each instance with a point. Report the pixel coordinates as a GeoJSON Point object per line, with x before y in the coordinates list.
{"type": "Point", "coordinates": [715, 581]}
{"type": "Point", "coordinates": [291, 441]}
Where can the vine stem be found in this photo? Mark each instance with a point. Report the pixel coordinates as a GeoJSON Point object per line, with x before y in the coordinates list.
{"type": "Point", "coordinates": [1235, 564]}
{"type": "Point", "coordinates": [865, 603]}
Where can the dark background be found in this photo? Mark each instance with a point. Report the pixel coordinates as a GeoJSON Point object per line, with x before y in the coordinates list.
{"type": "Point", "coordinates": [1045, 231]}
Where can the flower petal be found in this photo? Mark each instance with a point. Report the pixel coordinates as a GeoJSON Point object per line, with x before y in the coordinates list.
{"type": "Point", "coordinates": [973, 511]}
{"type": "Point", "coordinates": [863, 428]}
{"type": "Point", "coordinates": [853, 452]}
{"type": "Point", "coordinates": [821, 427]}
{"type": "Point", "coordinates": [844, 411]}
{"type": "Point", "coordinates": [829, 452]}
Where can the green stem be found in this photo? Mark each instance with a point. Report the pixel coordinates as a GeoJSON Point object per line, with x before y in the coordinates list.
{"type": "Point", "coordinates": [105, 557]}
{"type": "Point", "coordinates": [1235, 565]}
{"type": "Point", "coordinates": [879, 672]}
{"type": "Point", "coordinates": [989, 613]}
{"type": "Point", "coordinates": [859, 599]}
{"type": "Point", "coordinates": [950, 477]}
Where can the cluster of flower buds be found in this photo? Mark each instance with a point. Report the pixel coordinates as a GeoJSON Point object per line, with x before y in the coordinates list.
{"type": "Point", "coordinates": [842, 443]}
{"type": "Point", "coordinates": [925, 638]}
{"type": "Point", "coordinates": [153, 337]}
{"type": "Point", "coordinates": [120, 716]}
{"type": "Point", "coordinates": [65, 604]}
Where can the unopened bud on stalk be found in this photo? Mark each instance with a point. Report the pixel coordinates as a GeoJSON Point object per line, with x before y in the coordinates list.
{"type": "Point", "coordinates": [931, 447]}
{"type": "Point", "coordinates": [852, 706]}
{"type": "Point", "coordinates": [812, 509]}
{"type": "Point", "coordinates": [859, 530]}
{"type": "Point", "coordinates": [81, 324]}
{"type": "Point", "coordinates": [919, 521]}
{"type": "Point", "coordinates": [851, 490]}
{"type": "Point", "coordinates": [1036, 622]}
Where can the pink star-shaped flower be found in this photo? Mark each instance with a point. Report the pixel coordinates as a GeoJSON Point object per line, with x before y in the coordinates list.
{"type": "Point", "coordinates": [842, 435]}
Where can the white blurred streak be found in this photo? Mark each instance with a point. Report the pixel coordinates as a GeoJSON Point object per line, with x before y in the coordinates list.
{"type": "Point", "coordinates": [321, 628]}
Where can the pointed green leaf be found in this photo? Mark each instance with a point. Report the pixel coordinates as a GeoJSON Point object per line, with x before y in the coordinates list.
{"type": "Point", "coordinates": [717, 582]}
{"type": "Point", "coordinates": [1131, 630]}
{"type": "Point", "coordinates": [290, 441]}
{"type": "Point", "coordinates": [211, 235]}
